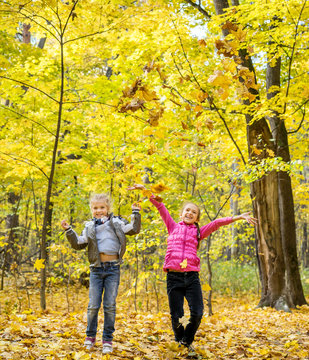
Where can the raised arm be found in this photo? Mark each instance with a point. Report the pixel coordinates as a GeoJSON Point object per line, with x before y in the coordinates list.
{"type": "Point", "coordinates": [165, 215]}
{"type": "Point", "coordinates": [134, 226]}
{"type": "Point", "coordinates": [77, 242]}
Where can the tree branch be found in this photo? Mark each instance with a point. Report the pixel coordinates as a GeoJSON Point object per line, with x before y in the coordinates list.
{"type": "Point", "coordinates": [199, 8]}
{"type": "Point", "coordinates": [300, 124]}
{"type": "Point", "coordinates": [26, 161]}
{"type": "Point", "coordinates": [26, 117]}
{"type": "Point", "coordinates": [27, 85]}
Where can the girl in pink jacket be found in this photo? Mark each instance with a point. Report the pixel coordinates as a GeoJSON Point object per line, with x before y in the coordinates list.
{"type": "Point", "coordinates": [183, 265]}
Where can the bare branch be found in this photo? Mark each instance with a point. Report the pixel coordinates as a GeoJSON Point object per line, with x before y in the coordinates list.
{"type": "Point", "coordinates": [300, 124]}
{"type": "Point", "coordinates": [292, 54]}
{"type": "Point", "coordinates": [26, 161]}
{"type": "Point", "coordinates": [29, 86]}
{"type": "Point", "coordinates": [26, 117]}
{"type": "Point", "coordinates": [199, 8]}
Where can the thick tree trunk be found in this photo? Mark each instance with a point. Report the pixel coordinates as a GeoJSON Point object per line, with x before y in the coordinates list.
{"type": "Point", "coordinates": [273, 203]}
{"type": "Point", "coordinates": [304, 246]}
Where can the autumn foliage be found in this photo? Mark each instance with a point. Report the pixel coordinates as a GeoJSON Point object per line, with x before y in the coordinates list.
{"type": "Point", "coordinates": [99, 95]}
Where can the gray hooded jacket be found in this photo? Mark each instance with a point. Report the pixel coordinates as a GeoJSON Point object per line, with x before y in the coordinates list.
{"type": "Point", "coordinates": [90, 234]}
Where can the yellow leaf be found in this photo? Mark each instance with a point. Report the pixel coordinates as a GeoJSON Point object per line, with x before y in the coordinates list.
{"type": "Point", "coordinates": [198, 108]}
{"type": "Point", "coordinates": [39, 264]}
{"type": "Point", "coordinates": [184, 264]}
{"type": "Point", "coordinates": [148, 131]}
{"type": "Point", "coordinates": [159, 188]}
{"type": "Point", "coordinates": [206, 287]}
{"type": "Point", "coordinates": [147, 193]}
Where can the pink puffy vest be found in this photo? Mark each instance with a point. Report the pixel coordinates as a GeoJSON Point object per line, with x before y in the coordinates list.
{"type": "Point", "coordinates": [182, 240]}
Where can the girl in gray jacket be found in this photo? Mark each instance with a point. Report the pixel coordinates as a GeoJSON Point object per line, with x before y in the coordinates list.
{"type": "Point", "coordinates": [105, 237]}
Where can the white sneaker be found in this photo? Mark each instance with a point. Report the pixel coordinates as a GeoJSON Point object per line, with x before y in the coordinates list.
{"type": "Point", "coordinates": [89, 343]}
{"type": "Point", "coordinates": [107, 348]}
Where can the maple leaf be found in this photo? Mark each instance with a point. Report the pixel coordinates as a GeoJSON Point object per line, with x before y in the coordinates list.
{"type": "Point", "coordinates": [202, 43]}
{"type": "Point", "coordinates": [130, 92]}
{"type": "Point", "coordinates": [159, 188]}
{"type": "Point", "coordinates": [202, 96]}
{"type": "Point", "coordinates": [229, 25]}
{"type": "Point", "coordinates": [227, 48]}
{"type": "Point", "coordinates": [134, 105]}
{"type": "Point", "coordinates": [184, 264]}
{"type": "Point", "coordinates": [39, 264]}
{"type": "Point", "coordinates": [154, 116]}
{"type": "Point", "coordinates": [219, 79]}
{"type": "Point", "coordinates": [147, 193]}
{"type": "Point", "coordinates": [158, 198]}
{"type": "Point", "coordinates": [151, 150]}
{"type": "Point", "coordinates": [184, 125]}
{"type": "Point", "coordinates": [147, 94]}
{"type": "Point", "coordinates": [198, 108]}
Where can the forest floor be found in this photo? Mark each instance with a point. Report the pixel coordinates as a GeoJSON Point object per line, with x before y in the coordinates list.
{"type": "Point", "coordinates": [237, 330]}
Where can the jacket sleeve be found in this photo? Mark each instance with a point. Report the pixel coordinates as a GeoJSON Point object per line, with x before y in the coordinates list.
{"type": "Point", "coordinates": [206, 230]}
{"type": "Point", "coordinates": [133, 227]}
{"type": "Point", "coordinates": [77, 242]}
{"type": "Point", "coordinates": [165, 215]}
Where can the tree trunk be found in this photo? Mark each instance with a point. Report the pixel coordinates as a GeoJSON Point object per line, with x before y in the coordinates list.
{"type": "Point", "coordinates": [273, 204]}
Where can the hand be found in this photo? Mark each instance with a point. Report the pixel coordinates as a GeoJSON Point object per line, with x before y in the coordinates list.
{"type": "Point", "coordinates": [136, 206]}
{"type": "Point", "coordinates": [65, 225]}
{"type": "Point", "coordinates": [136, 187]}
{"type": "Point", "coordinates": [246, 216]}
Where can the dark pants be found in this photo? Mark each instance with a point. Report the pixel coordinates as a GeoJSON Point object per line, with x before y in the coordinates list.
{"type": "Point", "coordinates": [179, 286]}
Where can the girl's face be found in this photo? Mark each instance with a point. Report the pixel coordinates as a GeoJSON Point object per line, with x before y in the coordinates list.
{"type": "Point", "coordinates": [190, 214]}
{"type": "Point", "coordinates": [99, 209]}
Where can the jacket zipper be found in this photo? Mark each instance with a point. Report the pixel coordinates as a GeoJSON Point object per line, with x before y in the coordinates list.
{"type": "Point", "coordinates": [184, 244]}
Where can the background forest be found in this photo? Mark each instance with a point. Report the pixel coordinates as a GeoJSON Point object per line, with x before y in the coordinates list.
{"type": "Point", "coordinates": [98, 95]}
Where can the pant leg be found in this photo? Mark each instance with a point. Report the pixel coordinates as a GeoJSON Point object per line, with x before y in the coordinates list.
{"type": "Point", "coordinates": [111, 284]}
{"type": "Point", "coordinates": [95, 299]}
{"type": "Point", "coordinates": [194, 297]}
{"type": "Point", "coordinates": [176, 294]}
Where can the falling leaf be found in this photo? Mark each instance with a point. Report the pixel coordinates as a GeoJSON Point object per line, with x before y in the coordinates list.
{"type": "Point", "coordinates": [184, 264]}
{"type": "Point", "coordinates": [206, 287]}
{"type": "Point", "coordinates": [133, 106]}
{"type": "Point", "coordinates": [158, 198]}
{"type": "Point", "coordinates": [147, 193]}
{"type": "Point", "coordinates": [202, 43]}
{"type": "Point", "coordinates": [201, 144]}
{"type": "Point", "coordinates": [184, 125]}
{"type": "Point", "coordinates": [159, 188]}
{"type": "Point", "coordinates": [198, 108]}
{"type": "Point", "coordinates": [147, 94]}
{"type": "Point", "coordinates": [39, 264]}
{"type": "Point", "coordinates": [130, 92]}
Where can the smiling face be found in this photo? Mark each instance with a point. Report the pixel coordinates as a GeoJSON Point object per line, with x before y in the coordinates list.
{"type": "Point", "coordinates": [190, 213]}
{"type": "Point", "coordinates": [99, 209]}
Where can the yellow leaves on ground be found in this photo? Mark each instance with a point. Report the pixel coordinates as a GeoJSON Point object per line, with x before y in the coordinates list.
{"type": "Point", "coordinates": [237, 330]}
{"type": "Point", "coordinates": [184, 264]}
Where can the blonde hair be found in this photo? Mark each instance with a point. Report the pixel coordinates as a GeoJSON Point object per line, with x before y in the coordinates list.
{"type": "Point", "coordinates": [101, 197]}
{"type": "Point", "coordinates": [192, 203]}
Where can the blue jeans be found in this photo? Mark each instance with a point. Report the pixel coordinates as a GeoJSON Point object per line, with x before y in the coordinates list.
{"type": "Point", "coordinates": [180, 286]}
{"type": "Point", "coordinates": [103, 280]}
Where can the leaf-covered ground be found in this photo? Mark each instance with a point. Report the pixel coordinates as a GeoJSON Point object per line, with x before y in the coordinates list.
{"type": "Point", "coordinates": [236, 331]}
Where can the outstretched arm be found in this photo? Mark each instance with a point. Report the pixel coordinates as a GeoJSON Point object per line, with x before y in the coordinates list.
{"type": "Point", "coordinates": [245, 216]}
{"type": "Point", "coordinates": [206, 230]}
{"type": "Point", "coordinates": [165, 215]}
